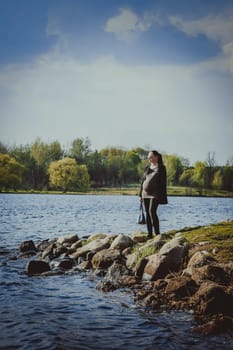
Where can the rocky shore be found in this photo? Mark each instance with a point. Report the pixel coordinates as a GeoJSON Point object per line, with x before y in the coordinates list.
{"type": "Point", "coordinates": [176, 270]}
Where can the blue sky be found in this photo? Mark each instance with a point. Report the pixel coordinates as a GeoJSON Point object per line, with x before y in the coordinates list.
{"type": "Point", "coordinates": [155, 74]}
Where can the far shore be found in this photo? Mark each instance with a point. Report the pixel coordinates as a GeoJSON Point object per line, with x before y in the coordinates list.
{"type": "Point", "coordinates": [134, 190]}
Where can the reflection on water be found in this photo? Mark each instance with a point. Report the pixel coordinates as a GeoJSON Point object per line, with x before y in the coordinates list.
{"type": "Point", "coordinates": [67, 312]}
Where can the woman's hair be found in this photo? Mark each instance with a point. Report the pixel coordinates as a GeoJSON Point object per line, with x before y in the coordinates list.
{"type": "Point", "coordinates": [157, 154]}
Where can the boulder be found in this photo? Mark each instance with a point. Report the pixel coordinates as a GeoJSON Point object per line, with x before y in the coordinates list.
{"type": "Point", "coordinates": [210, 272]}
{"type": "Point", "coordinates": [139, 237]}
{"type": "Point", "coordinates": [219, 324]}
{"type": "Point", "coordinates": [93, 246]}
{"type": "Point", "coordinates": [76, 244]}
{"type": "Point", "coordinates": [211, 298]}
{"type": "Point", "coordinates": [105, 258]}
{"type": "Point", "coordinates": [48, 252]}
{"type": "Point", "coordinates": [175, 250]}
{"type": "Point", "coordinates": [116, 271]}
{"type": "Point", "coordinates": [27, 246]}
{"type": "Point", "coordinates": [181, 286]}
{"type": "Point", "coordinates": [65, 263]}
{"type": "Point", "coordinates": [156, 267]}
{"type": "Point", "coordinates": [156, 243]}
{"type": "Point", "coordinates": [198, 259]}
{"type": "Point", "coordinates": [68, 239]}
{"type": "Point", "coordinates": [37, 267]}
{"type": "Point", "coordinates": [121, 242]}
{"type": "Point", "coordinates": [131, 260]}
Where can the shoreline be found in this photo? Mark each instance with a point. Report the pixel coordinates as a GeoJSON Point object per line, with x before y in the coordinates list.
{"type": "Point", "coordinates": [123, 191]}
{"type": "Point", "coordinates": [189, 269]}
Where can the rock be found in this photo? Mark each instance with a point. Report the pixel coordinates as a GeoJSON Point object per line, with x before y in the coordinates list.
{"type": "Point", "coordinates": [140, 267]}
{"type": "Point", "coordinates": [211, 298]}
{"type": "Point", "coordinates": [45, 243]}
{"type": "Point", "coordinates": [175, 250]}
{"type": "Point", "coordinates": [139, 237]}
{"type": "Point", "coordinates": [216, 326]}
{"type": "Point", "coordinates": [156, 267]}
{"type": "Point", "coordinates": [27, 246]}
{"type": "Point", "coordinates": [199, 259]}
{"type": "Point", "coordinates": [181, 287]}
{"type": "Point", "coordinates": [68, 239]}
{"type": "Point", "coordinates": [106, 286]}
{"type": "Point", "coordinates": [85, 265]}
{"type": "Point", "coordinates": [63, 263]}
{"type": "Point", "coordinates": [105, 258]}
{"type": "Point", "coordinates": [210, 272]}
{"type": "Point", "coordinates": [116, 271]}
{"type": "Point", "coordinates": [131, 260]}
{"type": "Point", "coordinates": [93, 246]}
{"type": "Point", "coordinates": [48, 252]}
{"type": "Point", "coordinates": [127, 251]}
{"type": "Point", "coordinates": [121, 242]}
{"type": "Point", "coordinates": [37, 267]}
{"type": "Point", "coordinates": [156, 243]}
{"type": "Point", "coordinates": [76, 244]}
{"type": "Point", "coordinates": [60, 249]}
{"type": "Point", "coordinates": [127, 281]}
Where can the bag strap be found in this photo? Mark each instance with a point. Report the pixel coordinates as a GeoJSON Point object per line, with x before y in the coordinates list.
{"type": "Point", "coordinates": [141, 207]}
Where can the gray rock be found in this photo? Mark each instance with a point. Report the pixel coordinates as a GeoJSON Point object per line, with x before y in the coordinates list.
{"type": "Point", "coordinates": [93, 246]}
{"type": "Point", "coordinates": [105, 258]}
{"type": "Point", "coordinates": [121, 242]}
{"type": "Point", "coordinates": [68, 239]}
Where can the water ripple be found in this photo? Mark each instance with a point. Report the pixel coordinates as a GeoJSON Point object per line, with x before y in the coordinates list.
{"type": "Point", "coordinates": [66, 311]}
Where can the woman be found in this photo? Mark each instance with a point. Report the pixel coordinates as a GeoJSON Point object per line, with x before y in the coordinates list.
{"type": "Point", "coordinates": [153, 190]}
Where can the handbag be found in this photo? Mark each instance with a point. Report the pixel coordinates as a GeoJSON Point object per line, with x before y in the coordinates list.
{"type": "Point", "coordinates": [141, 217]}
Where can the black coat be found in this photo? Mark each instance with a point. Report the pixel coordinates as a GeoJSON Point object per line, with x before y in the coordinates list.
{"type": "Point", "coordinates": [157, 186]}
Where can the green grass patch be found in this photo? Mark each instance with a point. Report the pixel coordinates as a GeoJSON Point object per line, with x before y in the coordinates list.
{"type": "Point", "coordinates": [219, 237]}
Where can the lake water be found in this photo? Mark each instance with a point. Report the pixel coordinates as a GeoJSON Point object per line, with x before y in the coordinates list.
{"type": "Point", "coordinates": [67, 312]}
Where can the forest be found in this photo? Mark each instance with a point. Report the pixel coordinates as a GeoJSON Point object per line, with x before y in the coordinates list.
{"type": "Point", "coordinates": [48, 166]}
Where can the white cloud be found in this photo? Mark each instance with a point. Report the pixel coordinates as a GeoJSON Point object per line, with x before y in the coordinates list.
{"type": "Point", "coordinates": [218, 28]}
{"type": "Point", "coordinates": [171, 108]}
{"type": "Point", "coordinates": [127, 25]}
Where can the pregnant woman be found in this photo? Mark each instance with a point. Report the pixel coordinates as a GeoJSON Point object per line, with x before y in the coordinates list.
{"type": "Point", "coordinates": [153, 190]}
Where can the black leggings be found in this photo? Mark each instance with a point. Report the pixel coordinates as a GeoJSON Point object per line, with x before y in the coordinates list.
{"type": "Point", "coordinates": [152, 220]}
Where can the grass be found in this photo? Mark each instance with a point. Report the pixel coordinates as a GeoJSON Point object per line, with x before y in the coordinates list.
{"type": "Point", "coordinates": [134, 190]}
{"type": "Point", "coordinates": [219, 237]}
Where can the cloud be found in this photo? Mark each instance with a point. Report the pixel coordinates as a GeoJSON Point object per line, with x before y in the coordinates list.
{"type": "Point", "coordinates": [218, 28]}
{"type": "Point", "coordinates": [127, 26]}
{"type": "Point", "coordinates": [171, 108]}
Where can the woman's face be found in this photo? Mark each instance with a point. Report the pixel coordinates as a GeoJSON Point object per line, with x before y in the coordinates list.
{"type": "Point", "coordinates": [152, 158]}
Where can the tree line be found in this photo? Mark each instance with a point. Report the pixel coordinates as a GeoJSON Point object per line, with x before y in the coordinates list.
{"type": "Point", "coordinates": [48, 166]}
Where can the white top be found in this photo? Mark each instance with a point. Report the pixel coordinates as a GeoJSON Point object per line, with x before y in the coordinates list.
{"type": "Point", "coordinates": [149, 176]}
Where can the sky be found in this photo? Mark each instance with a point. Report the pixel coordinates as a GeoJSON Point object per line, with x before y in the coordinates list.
{"type": "Point", "coordinates": [155, 74]}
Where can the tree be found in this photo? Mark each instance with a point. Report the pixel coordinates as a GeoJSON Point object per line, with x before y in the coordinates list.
{"type": "Point", "coordinates": [174, 169]}
{"type": "Point", "coordinates": [80, 149]}
{"type": "Point", "coordinates": [128, 172]}
{"type": "Point", "coordinates": [210, 169]}
{"type": "Point", "coordinates": [96, 168]}
{"type": "Point", "coordinates": [217, 179]}
{"type": "Point", "coordinates": [186, 177]}
{"type": "Point", "coordinates": [23, 155]}
{"type": "Point", "coordinates": [67, 175]}
{"type": "Point", "coordinates": [11, 172]}
{"type": "Point", "coordinates": [3, 148]}
{"type": "Point", "coordinates": [44, 154]}
{"type": "Point", "coordinates": [199, 175]}
{"type": "Point", "coordinates": [228, 177]}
